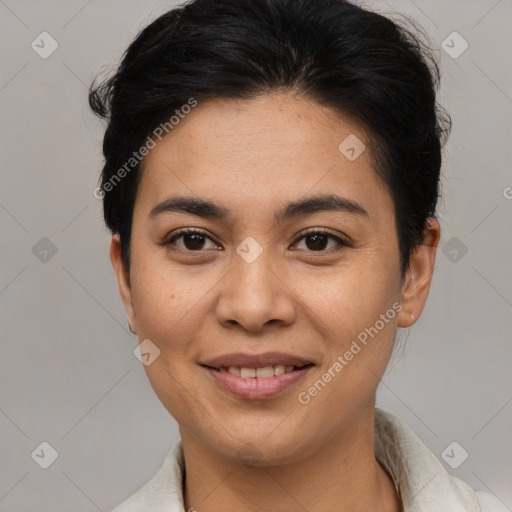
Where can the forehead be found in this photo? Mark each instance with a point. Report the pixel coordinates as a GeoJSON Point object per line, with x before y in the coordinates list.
{"type": "Point", "coordinates": [260, 152]}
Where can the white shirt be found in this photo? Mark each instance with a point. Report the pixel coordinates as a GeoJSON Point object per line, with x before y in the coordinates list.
{"type": "Point", "coordinates": [420, 478]}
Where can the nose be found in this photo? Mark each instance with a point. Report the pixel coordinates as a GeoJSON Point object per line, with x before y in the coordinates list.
{"type": "Point", "coordinates": [255, 295]}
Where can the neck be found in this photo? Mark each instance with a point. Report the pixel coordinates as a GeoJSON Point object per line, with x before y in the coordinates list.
{"type": "Point", "coordinates": [343, 475]}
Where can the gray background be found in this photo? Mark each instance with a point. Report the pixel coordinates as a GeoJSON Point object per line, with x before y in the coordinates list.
{"type": "Point", "coordinates": [67, 369]}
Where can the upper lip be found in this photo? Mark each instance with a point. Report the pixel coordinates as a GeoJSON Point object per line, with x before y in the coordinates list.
{"type": "Point", "coordinates": [255, 360]}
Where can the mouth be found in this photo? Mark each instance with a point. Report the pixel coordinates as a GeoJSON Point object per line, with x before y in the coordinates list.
{"type": "Point", "coordinates": [256, 377]}
{"type": "Point", "coordinates": [263, 372]}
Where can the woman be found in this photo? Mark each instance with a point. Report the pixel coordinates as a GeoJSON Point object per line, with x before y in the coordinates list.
{"type": "Point", "coordinates": [271, 178]}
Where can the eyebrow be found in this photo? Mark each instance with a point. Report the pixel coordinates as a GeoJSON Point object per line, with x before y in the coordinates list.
{"type": "Point", "coordinates": [209, 210]}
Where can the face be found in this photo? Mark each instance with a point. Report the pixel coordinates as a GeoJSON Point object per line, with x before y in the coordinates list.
{"type": "Point", "coordinates": [267, 277]}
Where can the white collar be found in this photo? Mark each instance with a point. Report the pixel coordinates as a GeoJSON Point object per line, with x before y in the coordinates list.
{"type": "Point", "coordinates": [420, 478]}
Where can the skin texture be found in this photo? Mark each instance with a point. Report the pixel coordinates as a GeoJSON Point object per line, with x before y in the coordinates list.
{"type": "Point", "coordinates": [252, 157]}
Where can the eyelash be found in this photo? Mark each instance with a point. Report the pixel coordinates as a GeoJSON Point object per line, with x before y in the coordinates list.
{"type": "Point", "coordinates": [324, 231]}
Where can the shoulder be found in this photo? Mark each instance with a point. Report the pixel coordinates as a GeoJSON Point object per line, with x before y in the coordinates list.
{"type": "Point", "coordinates": [147, 498]}
{"type": "Point", "coordinates": [413, 467]}
{"type": "Point", "coordinates": [163, 493]}
{"type": "Point", "coordinates": [489, 503]}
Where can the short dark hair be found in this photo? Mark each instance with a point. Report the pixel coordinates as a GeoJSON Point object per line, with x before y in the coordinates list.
{"type": "Point", "coordinates": [360, 63]}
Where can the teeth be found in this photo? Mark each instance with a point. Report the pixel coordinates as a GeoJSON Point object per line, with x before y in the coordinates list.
{"type": "Point", "coordinates": [279, 369]}
{"type": "Point", "coordinates": [247, 373]}
{"type": "Point", "coordinates": [265, 372]}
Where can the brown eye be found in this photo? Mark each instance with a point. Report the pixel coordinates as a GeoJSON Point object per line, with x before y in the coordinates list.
{"type": "Point", "coordinates": [193, 240]}
{"type": "Point", "coordinates": [318, 240]}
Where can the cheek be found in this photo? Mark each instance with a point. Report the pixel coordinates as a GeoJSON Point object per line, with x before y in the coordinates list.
{"type": "Point", "coordinates": [360, 308]}
{"type": "Point", "coordinates": [169, 312]}
{"type": "Point", "coordinates": [165, 296]}
{"type": "Point", "coordinates": [352, 298]}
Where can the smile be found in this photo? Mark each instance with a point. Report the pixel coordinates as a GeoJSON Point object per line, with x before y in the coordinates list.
{"type": "Point", "coordinates": [265, 372]}
{"type": "Point", "coordinates": [257, 383]}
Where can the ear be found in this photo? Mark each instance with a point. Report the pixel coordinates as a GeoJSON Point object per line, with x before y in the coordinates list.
{"type": "Point", "coordinates": [123, 279]}
{"type": "Point", "coordinates": [419, 276]}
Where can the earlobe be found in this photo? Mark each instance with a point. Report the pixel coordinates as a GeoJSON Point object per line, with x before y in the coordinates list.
{"type": "Point", "coordinates": [419, 276]}
{"type": "Point", "coordinates": [123, 279]}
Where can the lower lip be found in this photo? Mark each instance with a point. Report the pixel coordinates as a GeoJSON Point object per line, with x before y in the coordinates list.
{"type": "Point", "coordinates": [257, 389]}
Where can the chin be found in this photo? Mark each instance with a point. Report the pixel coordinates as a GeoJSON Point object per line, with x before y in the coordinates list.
{"type": "Point", "coordinates": [258, 451]}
